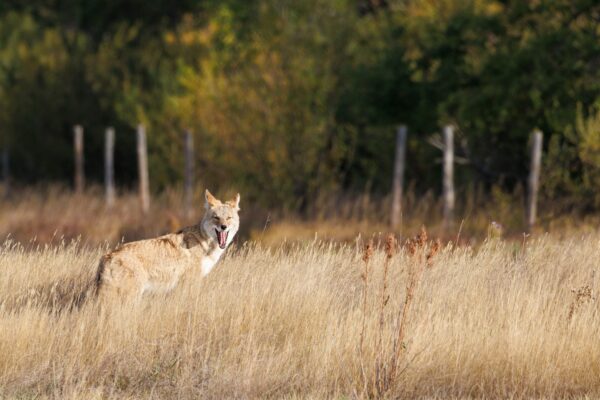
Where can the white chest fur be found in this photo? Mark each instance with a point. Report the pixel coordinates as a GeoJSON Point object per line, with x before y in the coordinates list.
{"type": "Point", "coordinates": [208, 262]}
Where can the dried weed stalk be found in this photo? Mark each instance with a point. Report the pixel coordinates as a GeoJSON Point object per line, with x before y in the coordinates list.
{"type": "Point", "coordinates": [381, 367]}
{"type": "Point", "coordinates": [367, 254]}
{"type": "Point", "coordinates": [582, 295]}
{"type": "Point", "coordinates": [422, 253]}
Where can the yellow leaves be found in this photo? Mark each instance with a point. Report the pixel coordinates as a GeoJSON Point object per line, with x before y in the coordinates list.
{"type": "Point", "coordinates": [38, 48]}
{"type": "Point", "coordinates": [170, 38]}
{"type": "Point", "coordinates": [262, 106]}
{"type": "Point", "coordinates": [206, 34]}
{"type": "Point", "coordinates": [188, 38]}
{"type": "Point", "coordinates": [52, 50]}
{"type": "Point", "coordinates": [589, 134]}
{"type": "Point", "coordinates": [493, 8]}
{"type": "Point", "coordinates": [192, 37]}
{"type": "Point", "coordinates": [439, 9]}
{"type": "Point", "coordinates": [189, 34]}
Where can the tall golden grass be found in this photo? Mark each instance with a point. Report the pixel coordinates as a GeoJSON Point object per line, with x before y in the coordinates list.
{"type": "Point", "coordinates": [310, 321]}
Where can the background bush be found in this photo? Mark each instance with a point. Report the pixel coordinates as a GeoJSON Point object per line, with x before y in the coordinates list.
{"type": "Point", "coordinates": [290, 99]}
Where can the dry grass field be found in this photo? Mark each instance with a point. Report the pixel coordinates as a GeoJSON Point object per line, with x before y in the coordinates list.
{"type": "Point", "coordinates": [312, 320]}
{"type": "Point", "coordinates": [49, 214]}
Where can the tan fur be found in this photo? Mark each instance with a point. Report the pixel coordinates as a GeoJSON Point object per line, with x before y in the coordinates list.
{"type": "Point", "coordinates": [158, 264]}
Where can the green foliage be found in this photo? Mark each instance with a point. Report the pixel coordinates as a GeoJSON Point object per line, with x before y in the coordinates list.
{"type": "Point", "coordinates": [500, 69]}
{"type": "Point", "coordinates": [577, 153]}
{"type": "Point", "coordinates": [288, 99]}
{"type": "Point", "coordinates": [40, 90]}
{"type": "Point", "coordinates": [264, 112]}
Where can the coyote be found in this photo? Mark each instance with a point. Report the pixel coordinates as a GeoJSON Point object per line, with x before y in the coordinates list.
{"type": "Point", "coordinates": [157, 265]}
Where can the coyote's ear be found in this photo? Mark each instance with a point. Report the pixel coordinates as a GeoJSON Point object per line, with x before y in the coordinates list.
{"type": "Point", "coordinates": [235, 202]}
{"type": "Point", "coordinates": [211, 201]}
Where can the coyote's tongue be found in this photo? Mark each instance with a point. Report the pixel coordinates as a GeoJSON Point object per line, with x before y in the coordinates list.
{"type": "Point", "coordinates": [221, 238]}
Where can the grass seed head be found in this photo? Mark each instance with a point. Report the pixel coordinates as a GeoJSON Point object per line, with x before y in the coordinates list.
{"type": "Point", "coordinates": [368, 251]}
{"type": "Point", "coordinates": [582, 296]}
{"type": "Point", "coordinates": [417, 243]}
{"type": "Point", "coordinates": [422, 237]}
{"type": "Point", "coordinates": [390, 245]}
{"type": "Point", "coordinates": [433, 250]}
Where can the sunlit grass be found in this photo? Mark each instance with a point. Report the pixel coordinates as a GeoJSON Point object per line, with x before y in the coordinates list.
{"type": "Point", "coordinates": [492, 321]}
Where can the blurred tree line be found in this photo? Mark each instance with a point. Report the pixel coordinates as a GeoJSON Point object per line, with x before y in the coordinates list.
{"type": "Point", "coordinates": [288, 99]}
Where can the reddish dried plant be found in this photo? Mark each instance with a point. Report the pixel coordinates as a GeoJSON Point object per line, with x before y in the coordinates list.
{"type": "Point", "coordinates": [389, 252]}
{"type": "Point", "coordinates": [381, 374]}
{"type": "Point", "coordinates": [390, 246]}
{"type": "Point", "coordinates": [422, 254]}
{"type": "Point", "coordinates": [367, 254]}
{"type": "Point", "coordinates": [582, 296]}
{"type": "Point", "coordinates": [434, 248]}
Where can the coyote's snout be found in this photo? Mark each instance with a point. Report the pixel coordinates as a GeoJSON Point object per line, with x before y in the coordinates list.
{"type": "Point", "coordinates": [157, 265]}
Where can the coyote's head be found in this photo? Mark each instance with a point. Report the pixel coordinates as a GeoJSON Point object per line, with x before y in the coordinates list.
{"type": "Point", "coordinates": [221, 220]}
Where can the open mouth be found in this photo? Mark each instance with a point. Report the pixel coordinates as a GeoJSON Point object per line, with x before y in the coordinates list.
{"type": "Point", "coordinates": [221, 238]}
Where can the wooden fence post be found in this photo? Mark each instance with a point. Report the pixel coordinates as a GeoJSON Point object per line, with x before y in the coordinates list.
{"type": "Point", "coordinates": [142, 152]}
{"type": "Point", "coordinates": [448, 176]}
{"type": "Point", "coordinates": [534, 178]}
{"type": "Point", "coordinates": [78, 147]}
{"type": "Point", "coordinates": [6, 170]}
{"type": "Point", "coordinates": [398, 182]}
{"type": "Point", "coordinates": [109, 169]}
{"type": "Point", "coordinates": [189, 173]}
